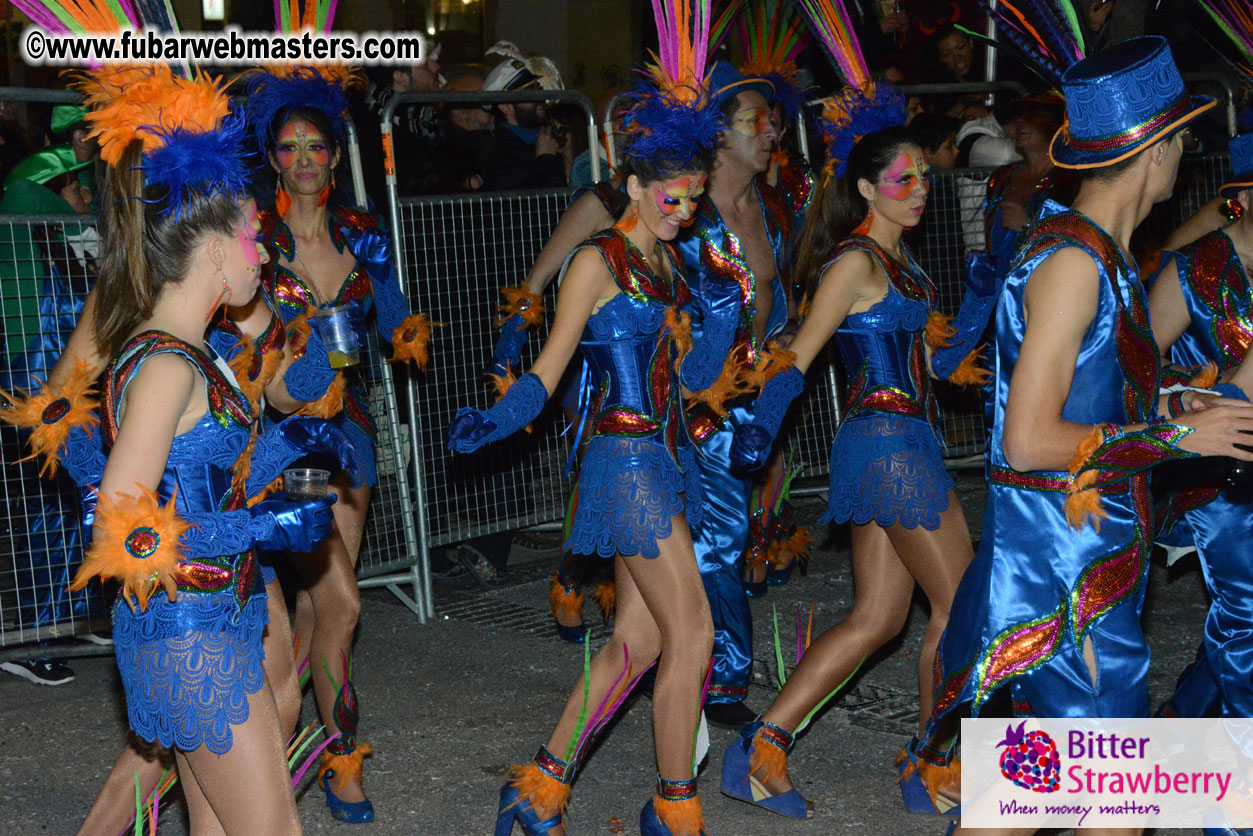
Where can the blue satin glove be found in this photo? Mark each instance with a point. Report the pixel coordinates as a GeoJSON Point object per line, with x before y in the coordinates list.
{"type": "Point", "coordinates": [751, 444]}
{"type": "Point", "coordinates": [508, 354]}
{"type": "Point", "coordinates": [720, 303]}
{"type": "Point", "coordinates": [980, 276]}
{"type": "Point", "coordinates": [297, 526]}
{"type": "Point", "coordinates": [373, 249]}
{"type": "Point", "coordinates": [522, 404]}
{"type": "Point", "coordinates": [971, 322]}
{"type": "Point", "coordinates": [308, 378]}
{"type": "Point", "coordinates": [293, 438]}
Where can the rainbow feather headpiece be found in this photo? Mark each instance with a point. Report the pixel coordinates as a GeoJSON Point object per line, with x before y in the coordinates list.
{"type": "Point", "coordinates": [1045, 34]}
{"type": "Point", "coordinates": [672, 116]}
{"type": "Point", "coordinates": [276, 88]}
{"type": "Point", "coordinates": [97, 17]}
{"type": "Point", "coordinates": [773, 37]}
{"type": "Point", "coordinates": [191, 141]}
{"type": "Point", "coordinates": [1235, 19]}
{"type": "Point", "coordinates": [863, 105]}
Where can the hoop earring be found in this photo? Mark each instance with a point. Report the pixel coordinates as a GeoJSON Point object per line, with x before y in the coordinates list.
{"type": "Point", "coordinates": [282, 200]}
{"type": "Point", "coordinates": [863, 228]}
{"type": "Point", "coordinates": [628, 223]}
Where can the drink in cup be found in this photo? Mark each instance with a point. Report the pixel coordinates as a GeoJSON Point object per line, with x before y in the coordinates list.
{"type": "Point", "coordinates": [302, 483]}
{"type": "Point", "coordinates": [338, 336]}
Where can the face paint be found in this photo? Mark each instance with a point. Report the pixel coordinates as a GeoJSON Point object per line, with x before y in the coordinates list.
{"type": "Point", "coordinates": [298, 142]}
{"type": "Point", "coordinates": [751, 121]}
{"type": "Point", "coordinates": [905, 174]}
{"type": "Point", "coordinates": [680, 195]}
{"type": "Point", "coordinates": [247, 234]}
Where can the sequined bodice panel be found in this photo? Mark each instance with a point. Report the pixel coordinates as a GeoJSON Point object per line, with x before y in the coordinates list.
{"type": "Point", "coordinates": [882, 348]}
{"type": "Point", "coordinates": [1217, 295]}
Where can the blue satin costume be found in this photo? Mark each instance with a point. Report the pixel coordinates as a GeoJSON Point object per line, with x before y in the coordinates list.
{"type": "Point", "coordinates": [639, 469]}
{"type": "Point", "coordinates": [1037, 589]}
{"type": "Point", "coordinates": [188, 667]}
{"type": "Point", "coordinates": [1218, 299]}
{"type": "Point", "coordinates": [711, 253]}
{"type": "Point", "coordinates": [292, 298]}
{"type": "Point", "coordinates": [886, 462]}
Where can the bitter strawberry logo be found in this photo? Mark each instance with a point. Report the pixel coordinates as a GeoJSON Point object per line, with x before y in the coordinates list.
{"type": "Point", "coordinates": [1030, 760]}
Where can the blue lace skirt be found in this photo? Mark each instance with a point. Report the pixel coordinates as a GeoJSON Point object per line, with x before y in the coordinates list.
{"type": "Point", "coordinates": [887, 469]}
{"type": "Point", "coordinates": [189, 667]}
{"type": "Point", "coordinates": [629, 488]}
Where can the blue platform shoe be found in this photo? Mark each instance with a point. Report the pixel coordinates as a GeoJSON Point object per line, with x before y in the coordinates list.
{"type": "Point", "coordinates": [676, 802]}
{"type": "Point", "coordinates": [567, 601]}
{"type": "Point", "coordinates": [349, 812]}
{"type": "Point", "coordinates": [545, 781]}
{"type": "Point", "coordinates": [915, 775]}
{"type": "Point", "coordinates": [739, 782]}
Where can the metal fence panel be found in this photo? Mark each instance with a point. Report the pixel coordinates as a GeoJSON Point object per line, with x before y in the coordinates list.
{"type": "Point", "coordinates": [47, 264]}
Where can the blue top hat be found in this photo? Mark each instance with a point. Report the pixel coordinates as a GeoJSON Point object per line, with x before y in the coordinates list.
{"type": "Point", "coordinates": [1241, 148]}
{"type": "Point", "coordinates": [725, 81]}
{"type": "Point", "coordinates": [1120, 101]}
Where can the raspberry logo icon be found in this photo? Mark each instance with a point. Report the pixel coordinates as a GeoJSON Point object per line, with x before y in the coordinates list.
{"type": "Point", "coordinates": [1030, 760]}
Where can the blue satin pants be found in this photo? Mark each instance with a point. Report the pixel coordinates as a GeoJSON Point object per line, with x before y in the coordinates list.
{"type": "Point", "coordinates": [720, 542]}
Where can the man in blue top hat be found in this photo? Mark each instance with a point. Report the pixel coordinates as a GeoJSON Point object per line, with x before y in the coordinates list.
{"type": "Point", "coordinates": [735, 255]}
{"type": "Point", "coordinates": [1051, 604]}
{"type": "Point", "coordinates": [1202, 313]}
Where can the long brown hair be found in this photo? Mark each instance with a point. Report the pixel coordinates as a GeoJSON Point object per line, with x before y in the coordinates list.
{"type": "Point", "coordinates": [840, 206]}
{"type": "Point", "coordinates": [145, 247]}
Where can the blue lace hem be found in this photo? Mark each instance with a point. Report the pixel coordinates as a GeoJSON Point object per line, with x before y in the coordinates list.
{"type": "Point", "coordinates": [887, 470]}
{"type": "Point", "coordinates": [628, 490]}
{"type": "Point", "coordinates": [189, 667]}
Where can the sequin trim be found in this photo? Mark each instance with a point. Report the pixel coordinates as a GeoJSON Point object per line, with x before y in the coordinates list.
{"type": "Point", "coordinates": [142, 543]}
{"type": "Point", "coordinates": [553, 766]}
{"type": "Point", "coordinates": [775, 736]}
{"type": "Point", "coordinates": [676, 790]}
{"type": "Point", "coordinates": [1019, 650]}
{"type": "Point", "coordinates": [1107, 582]}
{"type": "Point", "coordinates": [1036, 482]}
{"type": "Point", "coordinates": [1133, 134]}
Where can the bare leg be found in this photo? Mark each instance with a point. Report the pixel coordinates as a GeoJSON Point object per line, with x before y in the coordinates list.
{"type": "Point", "coordinates": [329, 575]}
{"type": "Point", "coordinates": [114, 806]}
{"type": "Point", "coordinates": [280, 667]}
{"type": "Point", "coordinates": [302, 631]}
{"type": "Point", "coordinates": [886, 563]}
{"type": "Point", "coordinates": [254, 769]}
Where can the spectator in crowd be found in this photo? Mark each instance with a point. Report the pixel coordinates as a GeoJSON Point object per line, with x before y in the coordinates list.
{"type": "Point", "coordinates": [982, 142]}
{"type": "Point", "coordinates": [463, 147]}
{"type": "Point", "coordinates": [523, 153]}
{"type": "Point", "coordinates": [66, 127]}
{"type": "Point", "coordinates": [936, 135]}
{"type": "Point", "coordinates": [415, 127]}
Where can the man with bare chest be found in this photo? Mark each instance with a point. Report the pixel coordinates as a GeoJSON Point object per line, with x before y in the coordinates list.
{"type": "Point", "coordinates": [735, 259]}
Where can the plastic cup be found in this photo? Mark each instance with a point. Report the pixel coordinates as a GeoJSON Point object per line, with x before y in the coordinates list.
{"type": "Point", "coordinates": [302, 483]}
{"type": "Point", "coordinates": [338, 336]}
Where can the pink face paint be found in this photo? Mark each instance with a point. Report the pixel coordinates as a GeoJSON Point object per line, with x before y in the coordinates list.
{"type": "Point", "coordinates": [299, 141]}
{"type": "Point", "coordinates": [751, 121]}
{"type": "Point", "coordinates": [903, 176]}
{"type": "Point", "coordinates": [680, 195]}
{"type": "Point", "coordinates": [246, 234]}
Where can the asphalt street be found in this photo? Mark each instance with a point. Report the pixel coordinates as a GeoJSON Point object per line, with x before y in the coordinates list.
{"type": "Point", "coordinates": [449, 705]}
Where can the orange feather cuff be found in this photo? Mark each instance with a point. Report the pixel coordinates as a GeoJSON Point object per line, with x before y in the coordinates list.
{"type": "Point", "coordinates": [52, 414]}
{"type": "Point", "coordinates": [330, 404]}
{"type": "Point", "coordinates": [521, 301]}
{"type": "Point", "coordinates": [939, 330]}
{"type": "Point", "coordinates": [136, 542]}
{"type": "Point", "coordinates": [411, 338]}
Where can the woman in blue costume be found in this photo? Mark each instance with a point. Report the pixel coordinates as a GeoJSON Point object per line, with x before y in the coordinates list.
{"type": "Point", "coordinates": [887, 476]}
{"type": "Point", "coordinates": [326, 255]}
{"type": "Point", "coordinates": [621, 302]}
{"type": "Point", "coordinates": [1051, 605]}
{"type": "Point", "coordinates": [172, 525]}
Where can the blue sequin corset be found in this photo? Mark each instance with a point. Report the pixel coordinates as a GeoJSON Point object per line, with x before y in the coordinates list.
{"type": "Point", "coordinates": [638, 467]}
{"type": "Point", "coordinates": [188, 666]}
{"type": "Point", "coordinates": [1216, 292]}
{"type": "Point", "coordinates": [886, 463]}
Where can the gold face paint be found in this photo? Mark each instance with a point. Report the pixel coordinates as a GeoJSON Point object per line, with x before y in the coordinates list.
{"type": "Point", "coordinates": [906, 173]}
{"type": "Point", "coordinates": [751, 121]}
{"type": "Point", "coordinates": [679, 196]}
{"type": "Point", "coordinates": [297, 142]}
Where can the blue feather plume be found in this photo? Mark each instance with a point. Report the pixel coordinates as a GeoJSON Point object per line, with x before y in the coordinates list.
{"type": "Point", "coordinates": [786, 94]}
{"type": "Point", "coordinates": [196, 165]}
{"type": "Point", "coordinates": [270, 95]}
{"type": "Point", "coordinates": [668, 132]}
{"type": "Point", "coordinates": [861, 116]}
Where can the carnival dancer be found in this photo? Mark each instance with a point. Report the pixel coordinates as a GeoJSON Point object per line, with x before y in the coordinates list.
{"type": "Point", "coordinates": [172, 525]}
{"type": "Point", "coordinates": [735, 257]}
{"type": "Point", "coordinates": [1201, 306]}
{"type": "Point", "coordinates": [772, 38]}
{"type": "Point", "coordinates": [1076, 427]}
{"type": "Point", "coordinates": [325, 255]}
{"type": "Point", "coordinates": [887, 473]}
{"type": "Point", "coordinates": [622, 301]}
